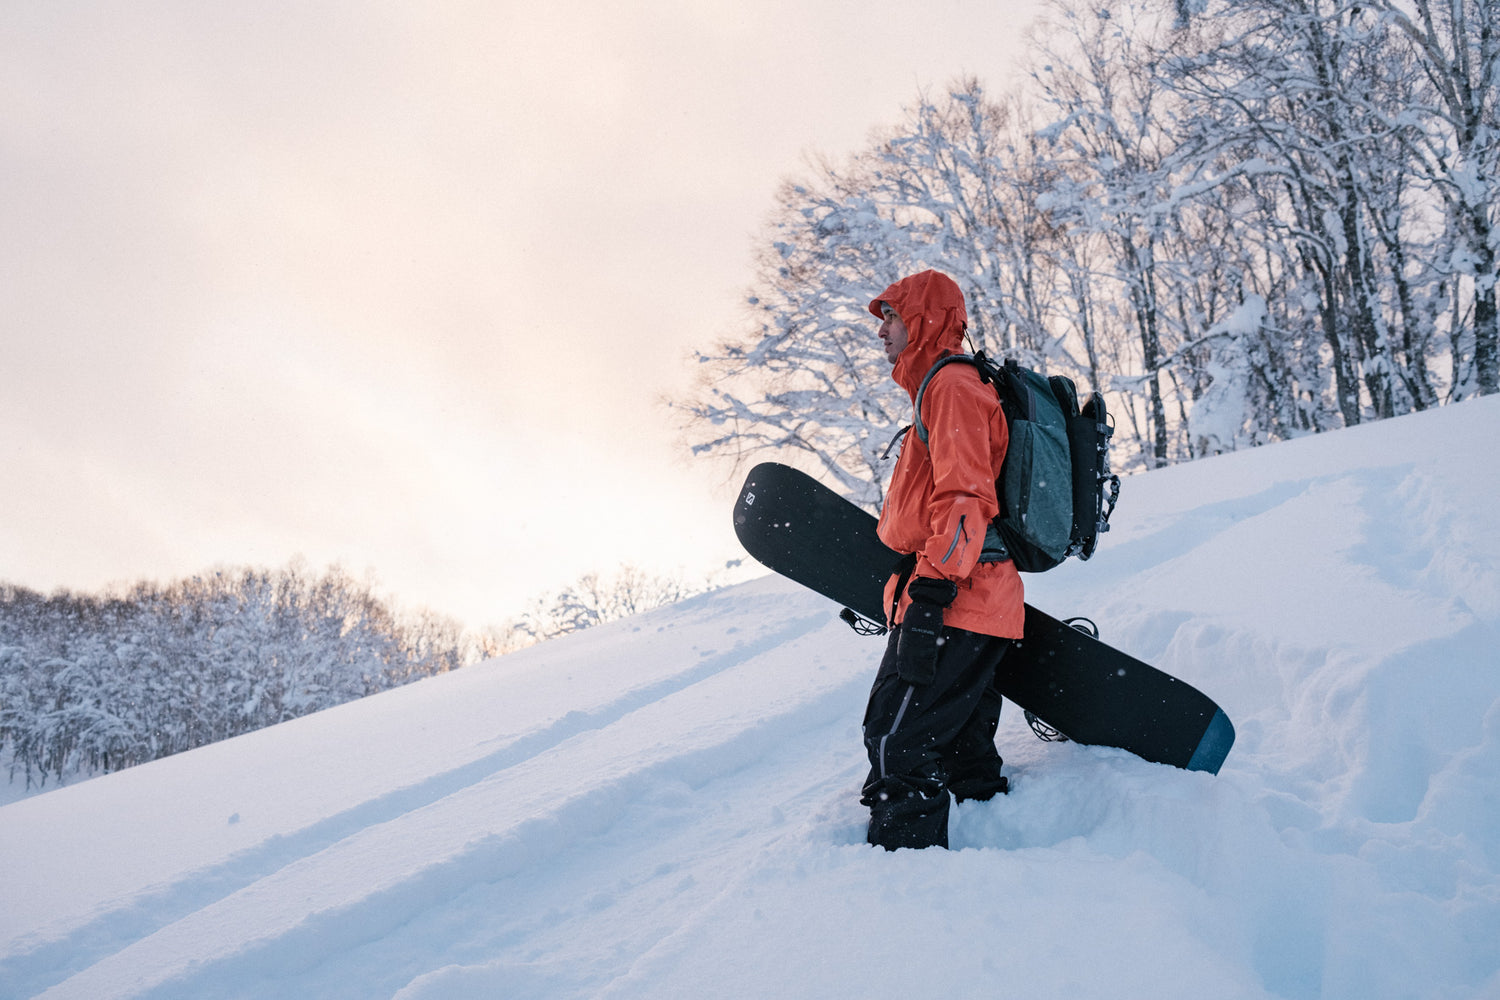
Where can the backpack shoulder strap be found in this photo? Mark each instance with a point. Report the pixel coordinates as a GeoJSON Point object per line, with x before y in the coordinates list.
{"type": "Point", "coordinates": [942, 363]}
{"type": "Point", "coordinates": [995, 549]}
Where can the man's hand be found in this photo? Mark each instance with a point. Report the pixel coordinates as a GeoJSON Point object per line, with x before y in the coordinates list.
{"type": "Point", "coordinates": [921, 632]}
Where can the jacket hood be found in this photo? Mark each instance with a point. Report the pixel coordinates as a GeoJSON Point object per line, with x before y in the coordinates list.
{"type": "Point", "coordinates": [932, 306]}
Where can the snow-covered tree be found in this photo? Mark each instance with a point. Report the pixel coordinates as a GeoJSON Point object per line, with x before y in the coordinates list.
{"type": "Point", "coordinates": [1456, 46]}
{"type": "Point", "coordinates": [1108, 151]}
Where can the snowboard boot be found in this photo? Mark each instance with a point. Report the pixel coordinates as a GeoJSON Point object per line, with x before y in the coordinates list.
{"type": "Point", "coordinates": [909, 818]}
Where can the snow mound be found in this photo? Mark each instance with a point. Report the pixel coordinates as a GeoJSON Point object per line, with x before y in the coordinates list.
{"type": "Point", "coordinates": [667, 806]}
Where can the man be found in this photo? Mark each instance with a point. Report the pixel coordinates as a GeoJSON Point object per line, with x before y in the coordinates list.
{"type": "Point", "coordinates": [930, 724]}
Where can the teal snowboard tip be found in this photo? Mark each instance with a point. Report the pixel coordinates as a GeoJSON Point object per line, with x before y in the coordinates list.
{"type": "Point", "coordinates": [1214, 746]}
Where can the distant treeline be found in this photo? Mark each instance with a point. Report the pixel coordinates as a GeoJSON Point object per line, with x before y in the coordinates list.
{"type": "Point", "coordinates": [98, 683]}
{"type": "Point", "coordinates": [92, 684]}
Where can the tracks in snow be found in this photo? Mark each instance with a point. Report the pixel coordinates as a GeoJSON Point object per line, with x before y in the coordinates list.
{"type": "Point", "coordinates": [357, 875]}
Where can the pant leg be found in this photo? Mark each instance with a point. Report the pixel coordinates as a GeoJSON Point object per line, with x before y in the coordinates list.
{"type": "Point", "coordinates": [975, 769]}
{"type": "Point", "coordinates": [919, 737]}
{"type": "Point", "coordinates": [906, 789]}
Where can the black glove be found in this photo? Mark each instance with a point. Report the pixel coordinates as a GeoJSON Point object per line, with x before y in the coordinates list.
{"type": "Point", "coordinates": [920, 638]}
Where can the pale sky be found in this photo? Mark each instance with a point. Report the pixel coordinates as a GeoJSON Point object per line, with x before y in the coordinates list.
{"type": "Point", "coordinates": [401, 286]}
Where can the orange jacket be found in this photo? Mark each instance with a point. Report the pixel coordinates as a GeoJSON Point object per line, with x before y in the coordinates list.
{"type": "Point", "coordinates": [942, 494]}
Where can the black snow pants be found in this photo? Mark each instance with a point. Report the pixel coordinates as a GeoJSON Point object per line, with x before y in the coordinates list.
{"type": "Point", "coordinates": [927, 740]}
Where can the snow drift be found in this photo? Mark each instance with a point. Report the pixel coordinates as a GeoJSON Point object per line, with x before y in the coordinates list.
{"type": "Point", "coordinates": [667, 806]}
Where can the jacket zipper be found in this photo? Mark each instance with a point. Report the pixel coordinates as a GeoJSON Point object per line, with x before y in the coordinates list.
{"type": "Point", "coordinates": [960, 533]}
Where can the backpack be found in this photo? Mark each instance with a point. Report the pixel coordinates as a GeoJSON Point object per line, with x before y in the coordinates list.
{"type": "Point", "coordinates": [1055, 489]}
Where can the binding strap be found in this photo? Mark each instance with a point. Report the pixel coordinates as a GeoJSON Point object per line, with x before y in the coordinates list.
{"type": "Point", "coordinates": [906, 567]}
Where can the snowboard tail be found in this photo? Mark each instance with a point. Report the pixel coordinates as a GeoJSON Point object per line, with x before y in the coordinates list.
{"type": "Point", "coordinates": [1085, 689]}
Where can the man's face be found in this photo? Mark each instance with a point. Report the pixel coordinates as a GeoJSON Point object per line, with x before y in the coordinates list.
{"type": "Point", "coordinates": [892, 334]}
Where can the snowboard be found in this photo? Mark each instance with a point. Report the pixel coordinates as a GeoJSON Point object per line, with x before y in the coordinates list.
{"type": "Point", "coordinates": [1075, 684]}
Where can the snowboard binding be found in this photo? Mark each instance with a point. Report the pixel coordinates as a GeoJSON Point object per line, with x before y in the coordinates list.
{"type": "Point", "coordinates": [860, 624]}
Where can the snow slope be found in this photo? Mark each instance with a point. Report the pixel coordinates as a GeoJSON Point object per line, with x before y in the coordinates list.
{"type": "Point", "coordinates": [666, 807]}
